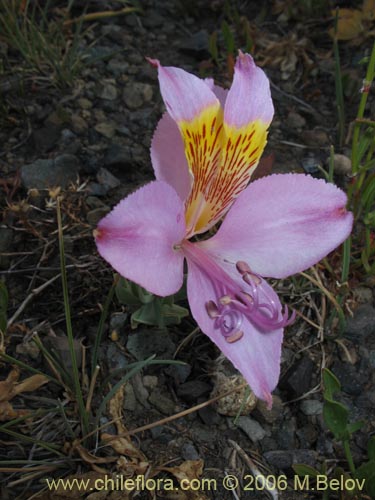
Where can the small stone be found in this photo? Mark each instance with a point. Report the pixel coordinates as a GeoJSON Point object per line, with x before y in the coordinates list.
{"type": "Point", "coordinates": [298, 379]}
{"type": "Point", "coordinates": [108, 92]}
{"type": "Point", "coordinates": [269, 416]}
{"type": "Point", "coordinates": [281, 459]}
{"type": "Point", "coordinates": [310, 164]}
{"type": "Point", "coordinates": [342, 165]}
{"type": "Point", "coordinates": [84, 103]}
{"type": "Point", "coordinates": [130, 401]}
{"type": "Point", "coordinates": [311, 407]}
{"type": "Point", "coordinates": [286, 434]}
{"type": "Point", "coordinates": [106, 129]}
{"type": "Point", "coordinates": [179, 373]}
{"type": "Point", "coordinates": [6, 239]}
{"type": "Point", "coordinates": [105, 177]}
{"type": "Point", "coordinates": [117, 155]}
{"type": "Point", "coordinates": [162, 402]}
{"type": "Point", "coordinates": [189, 452]}
{"type": "Point", "coordinates": [197, 44]}
{"type": "Point", "coordinates": [252, 428]}
{"type": "Point", "coordinates": [94, 216]}
{"type": "Point", "coordinates": [192, 390]}
{"type": "Point", "coordinates": [363, 295]}
{"type": "Point", "coordinates": [115, 357]}
{"type": "Point", "coordinates": [351, 379]}
{"type": "Point", "coordinates": [135, 95]}
{"type": "Point", "coordinates": [295, 120]}
{"type": "Point", "coordinates": [144, 343]}
{"type": "Point", "coordinates": [94, 202]}
{"type": "Point", "coordinates": [315, 137]}
{"type": "Point", "coordinates": [362, 324]}
{"type": "Point", "coordinates": [43, 174]}
{"type": "Point", "coordinates": [150, 381]}
{"type": "Point", "coordinates": [46, 137]}
{"type": "Point", "coordinates": [79, 125]}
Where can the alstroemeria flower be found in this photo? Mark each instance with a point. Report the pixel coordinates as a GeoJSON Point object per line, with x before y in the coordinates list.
{"type": "Point", "coordinates": [203, 152]}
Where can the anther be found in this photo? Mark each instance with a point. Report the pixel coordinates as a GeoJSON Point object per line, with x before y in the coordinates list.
{"type": "Point", "coordinates": [212, 309]}
{"type": "Point", "coordinates": [236, 336]}
{"type": "Point", "coordinates": [242, 267]}
{"type": "Point", "coordinates": [225, 300]}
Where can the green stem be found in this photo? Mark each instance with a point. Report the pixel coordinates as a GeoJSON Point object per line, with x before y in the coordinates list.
{"type": "Point", "coordinates": [348, 455]}
{"type": "Point", "coordinates": [69, 329]}
{"type": "Point", "coordinates": [346, 260]}
{"type": "Point", "coordinates": [361, 109]}
{"type": "Point", "coordinates": [338, 84]}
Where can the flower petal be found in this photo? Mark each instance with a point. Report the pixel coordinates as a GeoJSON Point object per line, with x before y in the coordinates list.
{"type": "Point", "coordinates": [256, 355]}
{"type": "Point", "coordinates": [283, 224]}
{"type": "Point", "coordinates": [249, 98]}
{"type": "Point", "coordinates": [248, 111]}
{"type": "Point", "coordinates": [139, 237]}
{"type": "Point", "coordinates": [168, 157]}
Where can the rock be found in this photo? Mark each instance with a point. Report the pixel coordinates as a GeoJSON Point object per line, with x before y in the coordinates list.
{"type": "Point", "coordinates": [208, 414]}
{"type": "Point", "coordinates": [315, 138]}
{"type": "Point", "coordinates": [94, 216]}
{"type": "Point", "coordinates": [252, 428]}
{"type": "Point", "coordinates": [79, 125]}
{"type": "Point", "coordinates": [136, 94]}
{"type": "Point", "coordinates": [153, 19]}
{"type": "Point", "coordinates": [117, 155]}
{"type": "Point", "coordinates": [43, 174]}
{"type": "Point", "coordinates": [84, 103]}
{"type": "Point", "coordinates": [108, 180]}
{"type": "Point", "coordinates": [162, 402]}
{"type": "Point", "coordinates": [342, 165]}
{"type": "Point", "coordinates": [150, 381]}
{"type": "Point", "coordinates": [311, 407]}
{"type": "Point", "coordinates": [94, 202]}
{"type": "Point", "coordinates": [295, 120]}
{"type": "Point", "coordinates": [107, 91]}
{"type": "Point", "coordinates": [351, 378]}
{"type": "Point", "coordinates": [270, 416]}
{"type": "Point", "coordinates": [130, 401]}
{"type": "Point", "coordinates": [298, 379]}
{"type": "Point", "coordinates": [179, 373]}
{"type": "Point", "coordinates": [107, 129]}
{"type": "Point", "coordinates": [196, 45]}
{"type": "Point", "coordinates": [115, 357]}
{"type": "Point", "coordinates": [286, 434]}
{"type": "Point", "coordinates": [117, 320]}
{"type": "Point", "coordinates": [307, 435]}
{"type": "Point", "coordinates": [363, 295]}
{"type": "Point", "coordinates": [189, 452]}
{"type": "Point", "coordinates": [144, 343]}
{"type": "Point", "coordinates": [310, 164]}
{"type": "Point", "coordinates": [362, 324]}
{"type": "Point", "coordinates": [46, 137]}
{"type": "Point", "coordinates": [241, 402]}
{"type": "Point", "coordinates": [192, 390]}
{"type": "Point", "coordinates": [283, 460]}
{"type": "Point", "coordinates": [117, 66]}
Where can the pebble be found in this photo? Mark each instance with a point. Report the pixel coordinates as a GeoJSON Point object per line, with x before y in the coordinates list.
{"type": "Point", "coordinates": [241, 401]}
{"type": "Point", "coordinates": [298, 379]}
{"type": "Point", "coordinates": [269, 416]}
{"type": "Point", "coordinates": [6, 239]}
{"type": "Point", "coordinates": [84, 103]}
{"type": "Point", "coordinates": [295, 120]}
{"type": "Point", "coordinates": [362, 324]}
{"type": "Point", "coordinates": [108, 180]}
{"type": "Point", "coordinates": [107, 91]}
{"type": "Point", "coordinates": [106, 129]}
{"type": "Point", "coordinates": [315, 138]}
{"type": "Point", "coordinates": [162, 402]}
{"type": "Point", "coordinates": [43, 174]}
{"type": "Point", "coordinates": [144, 343]}
{"type": "Point", "coordinates": [189, 451]}
{"type": "Point", "coordinates": [363, 295]}
{"type": "Point", "coordinates": [342, 165]}
{"type": "Point", "coordinates": [192, 390]}
{"type": "Point", "coordinates": [79, 125]}
{"type": "Point", "coordinates": [117, 155]}
{"type": "Point", "coordinates": [311, 407]}
{"type": "Point", "coordinates": [137, 94]}
{"type": "Point", "coordinates": [94, 216]}
{"type": "Point", "coordinates": [286, 434]}
{"type": "Point", "coordinates": [130, 401]}
{"type": "Point", "coordinates": [251, 428]}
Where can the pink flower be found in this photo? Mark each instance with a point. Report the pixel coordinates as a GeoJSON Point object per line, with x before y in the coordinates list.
{"type": "Point", "coordinates": [203, 152]}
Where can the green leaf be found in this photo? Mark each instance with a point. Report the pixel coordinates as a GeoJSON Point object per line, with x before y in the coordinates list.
{"type": "Point", "coordinates": [212, 47]}
{"type": "Point", "coordinates": [355, 426]}
{"type": "Point", "coordinates": [148, 314]}
{"type": "Point", "coordinates": [331, 384]}
{"type": "Point", "coordinates": [131, 294]}
{"type": "Point", "coordinates": [371, 448]}
{"type": "Point", "coordinates": [173, 314]}
{"type": "Point", "coordinates": [367, 472]}
{"type": "Point", "coordinates": [305, 470]}
{"type": "Point", "coordinates": [336, 418]}
{"type": "Point", "coordinates": [228, 37]}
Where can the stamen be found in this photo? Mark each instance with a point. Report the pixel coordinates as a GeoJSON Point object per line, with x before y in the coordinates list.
{"type": "Point", "coordinates": [225, 300]}
{"type": "Point", "coordinates": [212, 309]}
{"type": "Point", "coordinates": [233, 338]}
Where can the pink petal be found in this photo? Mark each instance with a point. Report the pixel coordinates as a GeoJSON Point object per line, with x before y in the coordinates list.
{"type": "Point", "coordinates": [257, 354]}
{"type": "Point", "coordinates": [138, 238]}
{"type": "Point", "coordinates": [185, 95]}
{"type": "Point", "coordinates": [168, 157]}
{"type": "Point", "coordinates": [283, 224]}
{"type": "Point", "coordinates": [249, 98]}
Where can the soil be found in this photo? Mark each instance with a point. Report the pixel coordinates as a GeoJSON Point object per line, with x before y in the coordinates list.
{"type": "Point", "coordinates": [90, 145]}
